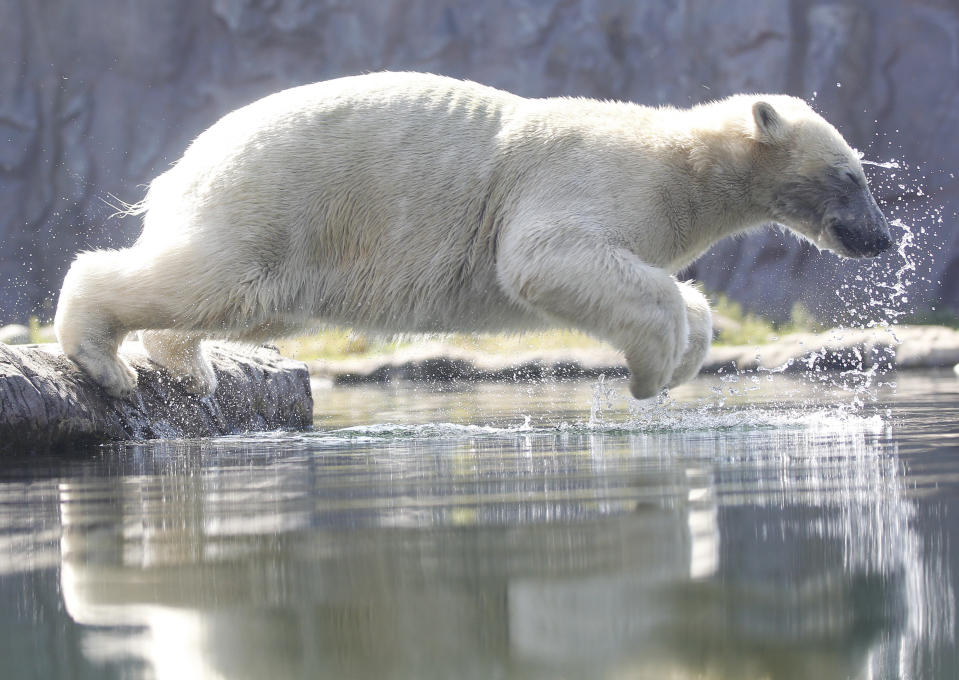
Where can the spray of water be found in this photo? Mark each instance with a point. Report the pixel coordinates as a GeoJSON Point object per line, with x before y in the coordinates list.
{"type": "Point", "coordinates": [875, 295]}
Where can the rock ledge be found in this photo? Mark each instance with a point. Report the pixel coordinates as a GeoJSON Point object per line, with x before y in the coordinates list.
{"type": "Point", "coordinates": [839, 349]}
{"type": "Point", "coordinates": [46, 402]}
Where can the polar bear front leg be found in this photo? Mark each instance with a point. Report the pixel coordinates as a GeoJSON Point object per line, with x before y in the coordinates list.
{"type": "Point", "coordinates": [183, 356]}
{"type": "Point", "coordinates": [605, 291]}
{"type": "Point", "coordinates": [700, 334]}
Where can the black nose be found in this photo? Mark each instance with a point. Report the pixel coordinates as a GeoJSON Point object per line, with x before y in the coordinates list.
{"type": "Point", "coordinates": [883, 243]}
{"type": "Point", "coordinates": [863, 242]}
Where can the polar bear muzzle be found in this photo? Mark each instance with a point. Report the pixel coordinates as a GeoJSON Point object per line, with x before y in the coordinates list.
{"type": "Point", "coordinates": [854, 226]}
{"type": "Point", "coordinates": [861, 242]}
{"type": "Point", "coordinates": [836, 211]}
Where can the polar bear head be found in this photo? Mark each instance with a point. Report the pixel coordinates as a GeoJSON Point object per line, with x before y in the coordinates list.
{"type": "Point", "coordinates": [812, 181]}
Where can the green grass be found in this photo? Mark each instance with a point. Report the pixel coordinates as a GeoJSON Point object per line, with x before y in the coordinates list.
{"type": "Point", "coordinates": [343, 344]}
{"type": "Point", "coordinates": [333, 344]}
{"type": "Point", "coordinates": [930, 316]}
{"type": "Point", "coordinates": [744, 328]}
{"type": "Point", "coordinates": [40, 333]}
{"type": "Point", "coordinates": [748, 328]}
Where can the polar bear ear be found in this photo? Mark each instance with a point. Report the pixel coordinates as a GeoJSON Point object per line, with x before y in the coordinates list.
{"type": "Point", "coordinates": [769, 125]}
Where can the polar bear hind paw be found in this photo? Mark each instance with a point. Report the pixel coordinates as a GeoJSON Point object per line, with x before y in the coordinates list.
{"type": "Point", "coordinates": [111, 372]}
{"type": "Point", "coordinates": [201, 382]}
{"type": "Point", "coordinates": [183, 357]}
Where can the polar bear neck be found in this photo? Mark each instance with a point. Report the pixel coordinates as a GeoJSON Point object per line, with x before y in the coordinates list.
{"type": "Point", "coordinates": [735, 174]}
{"type": "Point", "coordinates": [724, 182]}
{"type": "Point", "coordinates": [641, 169]}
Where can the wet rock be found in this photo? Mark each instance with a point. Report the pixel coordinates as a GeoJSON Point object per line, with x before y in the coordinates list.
{"type": "Point", "coordinates": [900, 347]}
{"type": "Point", "coordinates": [927, 347]}
{"type": "Point", "coordinates": [437, 362]}
{"type": "Point", "coordinates": [14, 334]}
{"type": "Point", "coordinates": [47, 403]}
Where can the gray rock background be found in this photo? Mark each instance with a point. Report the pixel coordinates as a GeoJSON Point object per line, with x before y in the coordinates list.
{"type": "Point", "coordinates": [96, 98]}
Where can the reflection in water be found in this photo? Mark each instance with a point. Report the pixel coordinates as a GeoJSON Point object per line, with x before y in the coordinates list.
{"type": "Point", "coordinates": [465, 551]}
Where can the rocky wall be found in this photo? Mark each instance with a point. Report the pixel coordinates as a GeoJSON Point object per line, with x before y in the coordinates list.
{"type": "Point", "coordinates": [96, 98]}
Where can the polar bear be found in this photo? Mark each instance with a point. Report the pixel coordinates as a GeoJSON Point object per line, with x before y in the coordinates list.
{"type": "Point", "coordinates": [406, 202]}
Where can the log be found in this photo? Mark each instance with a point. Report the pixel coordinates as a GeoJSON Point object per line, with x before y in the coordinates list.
{"type": "Point", "coordinates": [48, 403]}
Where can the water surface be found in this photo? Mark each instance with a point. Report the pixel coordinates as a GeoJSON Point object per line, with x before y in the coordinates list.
{"type": "Point", "coordinates": [746, 529]}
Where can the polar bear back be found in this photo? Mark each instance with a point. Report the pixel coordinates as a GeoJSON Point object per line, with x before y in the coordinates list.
{"type": "Point", "coordinates": [379, 201]}
{"type": "Point", "coordinates": [370, 200]}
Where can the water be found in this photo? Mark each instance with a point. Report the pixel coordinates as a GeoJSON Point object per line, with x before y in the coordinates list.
{"type": "Point", "coordinates": [742, 530]}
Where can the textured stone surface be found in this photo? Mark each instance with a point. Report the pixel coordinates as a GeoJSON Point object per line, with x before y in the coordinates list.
{"type": "Point", "coordinates": [436, 362]}
{"type": "Point", "coordinates": [99, 98]}
{"type": "Point", "coordinates": [47, 403]}
{"type": "Point", "coordinates": [902, 347]}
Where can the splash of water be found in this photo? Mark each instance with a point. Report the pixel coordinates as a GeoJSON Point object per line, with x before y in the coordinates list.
{"type": "Point", "coordinates": [711, 414]}
{"type": "Point", "coordinates": [876, 295]}
{"type": "Point", "coordinates": [889, 165]}
{"type": "Point", "coordinates": [603, 398]}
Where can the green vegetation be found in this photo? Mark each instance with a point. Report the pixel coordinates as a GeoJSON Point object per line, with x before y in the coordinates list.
{"type": "Point", "coordinates": [332, 344]}
{"type": "Point", "coordinates": [738, 327]}
{"type": "Point", "coordinates": [735, 326]}
{"type": "Point", "coordinates": [342, 344]}
{"type": "Point", "coordinates": [39, 332]}
{"type": "Point", "coordinates": [930, 316]}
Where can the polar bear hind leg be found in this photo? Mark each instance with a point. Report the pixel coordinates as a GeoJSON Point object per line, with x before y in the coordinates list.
{"type": "Point", "coordinates": [183, 356]}
{"type": "Point", "coordinates": [105, 295]}
{"type": "Point", "coordinates": [86, 325]}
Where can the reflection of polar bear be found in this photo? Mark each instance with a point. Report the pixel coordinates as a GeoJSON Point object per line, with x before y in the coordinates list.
{"type": "Point", "coordinates": [403, 202]}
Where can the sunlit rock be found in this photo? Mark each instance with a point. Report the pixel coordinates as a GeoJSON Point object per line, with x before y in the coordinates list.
{"type": "Point", "coordinates": [838, 349]}
{"type": "Point", "coordinates": [844, 349]}
{"type": "Point", "coordinates": [14, 334]}
{"type": "Point", "coordinates": [47, 402]}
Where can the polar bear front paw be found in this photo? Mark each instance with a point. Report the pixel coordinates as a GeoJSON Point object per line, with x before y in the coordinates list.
{"type": "Point", "coordinates": [700, 335]}
{"type": "Point", "coordinates": [641, 387]}
{"type": "Point", "coordinates": [649, 378]}
{"type": "Point", "coordinates": [653, 362]}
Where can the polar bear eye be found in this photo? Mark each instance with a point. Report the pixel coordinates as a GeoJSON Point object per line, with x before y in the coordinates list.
{"type": "Point", "coordinates": [849, 175]}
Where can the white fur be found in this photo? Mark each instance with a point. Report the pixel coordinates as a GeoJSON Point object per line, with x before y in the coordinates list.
{"type": "Point", "coordinates": [403, 202]}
